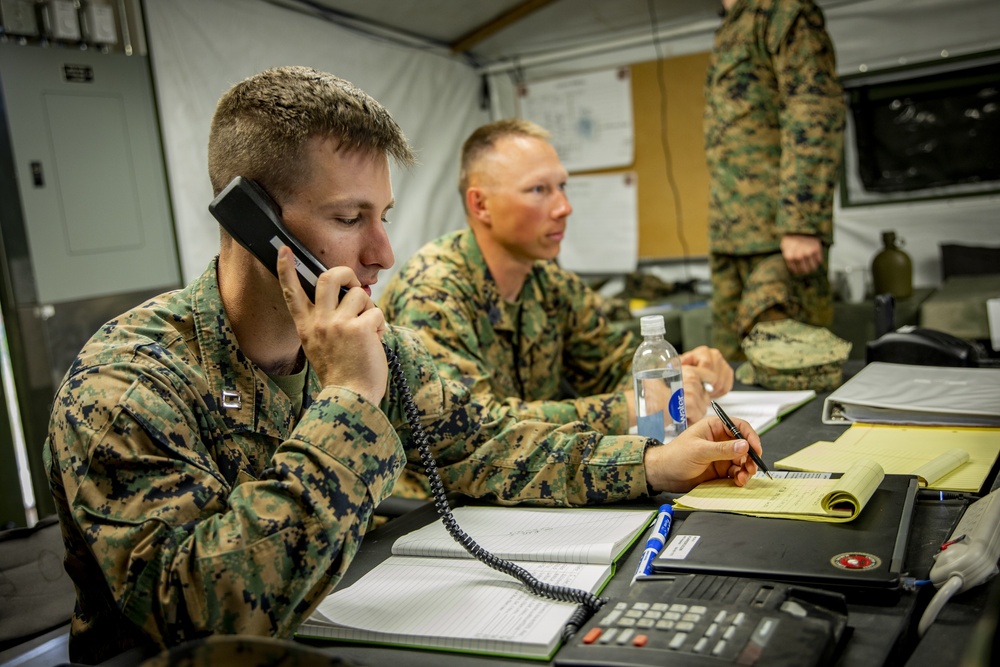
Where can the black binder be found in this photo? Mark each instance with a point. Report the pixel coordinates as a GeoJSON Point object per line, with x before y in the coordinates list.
{"type": "Point", "coordinates": [863, 558]}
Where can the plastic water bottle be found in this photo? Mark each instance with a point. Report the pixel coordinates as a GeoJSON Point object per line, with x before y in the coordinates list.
{"type": "Point", "coordinates": [659, 384]}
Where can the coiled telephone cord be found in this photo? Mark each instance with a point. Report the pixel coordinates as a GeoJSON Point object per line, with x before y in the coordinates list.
{"type": "Point", "coordinates": [589, 603]}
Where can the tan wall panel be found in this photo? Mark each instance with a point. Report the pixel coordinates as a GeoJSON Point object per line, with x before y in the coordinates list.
{"type": "Point", "coordinates": [661, 234]}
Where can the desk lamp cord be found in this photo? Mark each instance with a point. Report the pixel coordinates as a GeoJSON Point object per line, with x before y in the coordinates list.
{"type": "Point", "coordinates": [588, 602]}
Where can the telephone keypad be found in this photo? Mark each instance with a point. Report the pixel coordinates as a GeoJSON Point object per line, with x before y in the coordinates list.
{"type": "Point", "coordinates": [694, 620]}
{"type": "Point", "coordinates": [708, 632]}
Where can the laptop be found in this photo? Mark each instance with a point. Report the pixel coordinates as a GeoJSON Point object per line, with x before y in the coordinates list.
{"type": "Point", "coordinates": [863, 558]}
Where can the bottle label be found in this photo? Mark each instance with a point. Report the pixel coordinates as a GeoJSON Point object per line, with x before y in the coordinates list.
{"type": "Point", "coordinates": [676, 407]}
{"type": "Point", "coordinates": [651, 426]}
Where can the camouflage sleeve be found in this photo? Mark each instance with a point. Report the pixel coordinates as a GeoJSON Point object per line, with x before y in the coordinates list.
{"type": "Point", "coordinates": [597, 356]}
{"type": "Point", "coordinates": [446, 322]}
{"type": "Point", "coordinates": [486, 452]}
{"type": "Point", "coordinates": [812, 122]}
{"type": "Point", "coordinates": [185, 553]}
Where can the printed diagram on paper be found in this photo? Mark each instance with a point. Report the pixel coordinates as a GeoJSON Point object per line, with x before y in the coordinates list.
{"type": "Point", "coordinates": [589, 116]}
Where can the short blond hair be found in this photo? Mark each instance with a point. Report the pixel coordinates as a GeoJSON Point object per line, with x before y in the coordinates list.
{"type": "Point", "coordinates": [262, 124]}
{"type": "Point", "coordinates": [484, 139]}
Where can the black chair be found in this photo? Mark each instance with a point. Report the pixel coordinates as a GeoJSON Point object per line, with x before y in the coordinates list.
{"type": "Point", "coordinates": [36, 594]}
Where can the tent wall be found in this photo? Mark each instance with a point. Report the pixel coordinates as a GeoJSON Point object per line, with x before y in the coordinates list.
{"type": "Point", "coordinates": [199, 48]}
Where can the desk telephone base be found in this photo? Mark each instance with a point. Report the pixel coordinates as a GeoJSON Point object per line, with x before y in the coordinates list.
{"type": "Point", "coordinates": [697, 620]}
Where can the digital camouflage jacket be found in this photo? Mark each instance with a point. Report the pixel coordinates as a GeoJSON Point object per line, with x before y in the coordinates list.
{"type": "Point", "coordinates": [774, 117]}
{"type": "Point", "coordinates": [515, 356]}
{"type": "Point", "coordinates": [192, 501]}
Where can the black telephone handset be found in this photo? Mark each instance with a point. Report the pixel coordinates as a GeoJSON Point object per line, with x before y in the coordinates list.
{"type": "Point", "coordinates": [251, 217]}
{"type": "Point", "coordinates": [254, 220]}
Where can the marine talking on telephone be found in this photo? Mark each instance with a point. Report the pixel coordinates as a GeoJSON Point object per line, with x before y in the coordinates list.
{"type": "Point", "coordinates": [251, 217]}
{"type": "Point", "coordinates": [246, 211]}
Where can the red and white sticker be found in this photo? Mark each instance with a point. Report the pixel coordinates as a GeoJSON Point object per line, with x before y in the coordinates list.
{"type": "Point", "coordinates": [856, 561]}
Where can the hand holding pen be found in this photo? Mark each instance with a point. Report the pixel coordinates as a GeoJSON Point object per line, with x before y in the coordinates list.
{"type": "Point", "coordinates": [736, 434]}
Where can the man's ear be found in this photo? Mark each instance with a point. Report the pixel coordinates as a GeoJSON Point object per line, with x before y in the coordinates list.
{"type": "Point", "coordinates": [475, 203]}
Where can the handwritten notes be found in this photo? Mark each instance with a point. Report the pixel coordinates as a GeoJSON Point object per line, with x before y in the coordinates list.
{"type": "Point", "coordinates": [808, 499]}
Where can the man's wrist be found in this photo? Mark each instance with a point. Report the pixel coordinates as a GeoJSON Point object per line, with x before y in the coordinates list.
{"type": "Point", "coordinates": [651, 443]}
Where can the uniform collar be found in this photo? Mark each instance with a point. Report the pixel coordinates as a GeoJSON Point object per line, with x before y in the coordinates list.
{"type": "Point", "coordinates": [246, 399]}
{"type": "Point", "coordinates": [531, 297]}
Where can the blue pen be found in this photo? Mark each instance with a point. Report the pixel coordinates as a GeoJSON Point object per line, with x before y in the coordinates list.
{"type": "Point", "coordinates": [655, 542]}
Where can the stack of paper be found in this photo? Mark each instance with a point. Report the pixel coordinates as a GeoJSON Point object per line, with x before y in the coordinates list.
{"type": "Point", "coordinates": [942, 457]}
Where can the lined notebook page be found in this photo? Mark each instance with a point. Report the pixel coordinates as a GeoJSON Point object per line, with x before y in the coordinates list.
{"type": "Point", "coordinates": [763, 408]}
{"type": "Point", "coordinates": [810, 499]}
{"type": "Point", "coordinates": [561, 535]}
{"type": "Point", "coordinates": [905, 450]}
{"type": "Point", "coordinates": [461, 605]}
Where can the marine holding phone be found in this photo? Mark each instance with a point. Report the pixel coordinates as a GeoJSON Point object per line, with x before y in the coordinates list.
{"type": "Point", "coordinates": [216, 452]}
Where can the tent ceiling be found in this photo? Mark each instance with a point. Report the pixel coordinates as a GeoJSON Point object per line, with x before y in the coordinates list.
{"type": "Point", "coordinates": [489, 31]}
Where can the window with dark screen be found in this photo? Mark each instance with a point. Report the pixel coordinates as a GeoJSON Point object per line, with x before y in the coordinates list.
{"type": "Point", "coordinates": [924, 132]}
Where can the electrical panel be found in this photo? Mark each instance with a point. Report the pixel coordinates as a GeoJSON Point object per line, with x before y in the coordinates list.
{"type": "Point", "coordinates": [87, 160]}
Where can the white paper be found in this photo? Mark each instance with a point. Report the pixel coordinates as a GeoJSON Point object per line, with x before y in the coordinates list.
{"type": "Point", "coordinates": [602, 235]}
{"type": "Point", "coordinates": [452, 603]}
{"type": "Point", "coordinates": [524, 533]}
{"type": "Point", "coordinates": [993, 316]}
{"type": "Point", "coordinates": [762, 408]}
{"type": "Point", "coordinates": [589, 116]}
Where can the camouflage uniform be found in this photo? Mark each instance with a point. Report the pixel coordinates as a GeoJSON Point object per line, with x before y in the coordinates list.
{"type": "Point", "coordinates": [774, 119]}
{"type": "Point", "coordinates": [193, 501]}
{"type": "Point", "coordinates": [515, 357]}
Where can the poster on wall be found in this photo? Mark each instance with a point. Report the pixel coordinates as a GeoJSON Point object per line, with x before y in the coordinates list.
{"type": "Point", "coordinates": [602, 235]}
{"type": "Point", "coordinates": [589, 116]}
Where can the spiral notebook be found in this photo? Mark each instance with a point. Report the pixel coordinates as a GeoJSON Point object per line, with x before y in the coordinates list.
{"type": "Point", "coordinates": [432, 594]}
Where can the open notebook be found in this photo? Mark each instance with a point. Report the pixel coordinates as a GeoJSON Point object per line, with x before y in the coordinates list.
{"type": "Point", "coordinates": [763, 409]}
{"type": "Point", "coordinates": [431, 594]}
{"type": "Point", "coordinates": [808, 499]}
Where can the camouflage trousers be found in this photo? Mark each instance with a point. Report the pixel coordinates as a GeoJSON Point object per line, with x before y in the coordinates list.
{"type": "Point", "coordinates": [747, 289]}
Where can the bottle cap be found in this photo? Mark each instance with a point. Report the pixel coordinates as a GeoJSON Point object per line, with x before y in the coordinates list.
{"type": "Point", "coordinates": [652, 325]}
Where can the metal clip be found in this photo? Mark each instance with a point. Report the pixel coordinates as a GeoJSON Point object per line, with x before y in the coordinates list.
{"type": "Point", "coordinates": [231, 400]}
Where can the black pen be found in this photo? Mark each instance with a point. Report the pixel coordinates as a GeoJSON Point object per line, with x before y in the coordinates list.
{"type": "Point", "coordinates": [728, 423]}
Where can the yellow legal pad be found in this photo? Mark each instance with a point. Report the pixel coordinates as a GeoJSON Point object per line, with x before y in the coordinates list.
{"type": "Point", "coordinates": [807, 499]}
{"type": "Point", "coordinates": [946, 458]}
